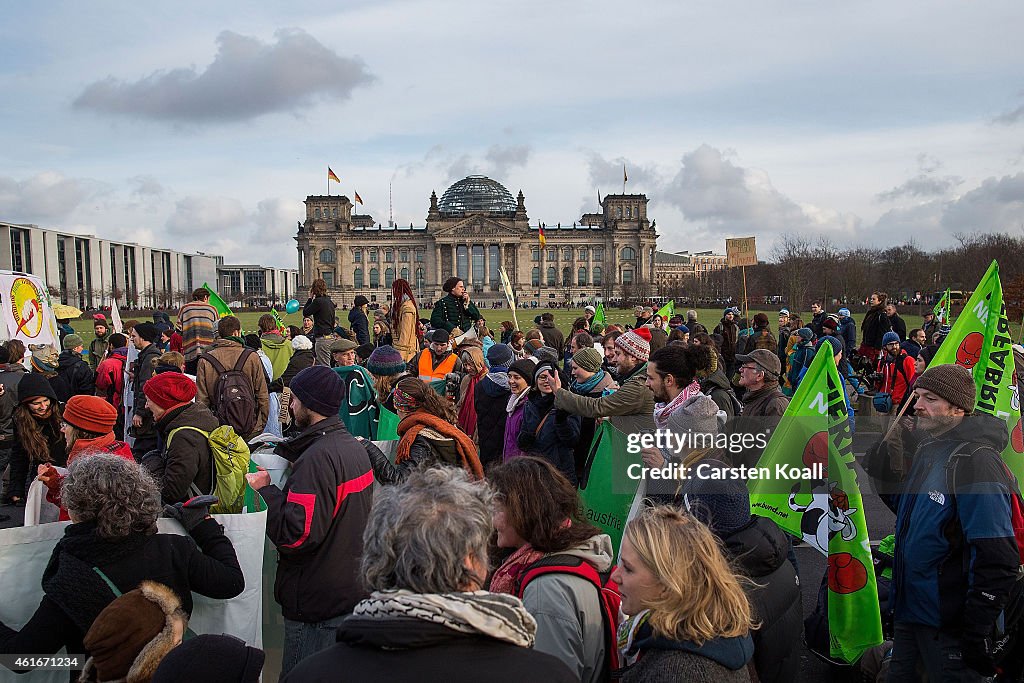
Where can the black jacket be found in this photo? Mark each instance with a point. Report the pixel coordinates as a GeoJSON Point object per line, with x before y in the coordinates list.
{"type": "Point", "coordinates": [760, 550]}
{"type": "Point", "coordinates": [322, 311]}
{"type": "Point", "coordinates": [360, 325]}
{"type": "Point", "coordinates": [717, 386]}
{"type": "Point", "coordinates": [187, 458]}
{"type": "Point", "coordinates": [75, 371]}
{"type": "Point", "coordinates": [427, 449]}
{"type": "Point", "coordinates": [299, 361]}
{"type": "Point", "coordinates": [552, 336]}
{"type": "Point", "coordinates": [23, 467]}
{"type": "Point", "coordinates": [553, 438]}
{"type": "Point", "coordinates": [898, 325]}
{"type": "Point", "coordinates": [74, 594]}
{"type": "Point", "coordinates": [491, 401]}
{"type": "Point", "coordinates": [816, 322]}
{"type": "Point", "coordinates": [417, 650]}
{"type": "Point", "coordinates": [317, 522]}
{"type": "Point", "coordinates": [876, 324]}
{"type": "Point", "coordinates": [143, 371]}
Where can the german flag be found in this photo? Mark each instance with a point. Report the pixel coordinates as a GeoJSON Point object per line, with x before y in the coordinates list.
{"type": "Point", "coordinates": [359, 200]}
{"type": "Point", "coordinates": [540, 235]}
{"type": "Point", "coordinates": [331, 175]}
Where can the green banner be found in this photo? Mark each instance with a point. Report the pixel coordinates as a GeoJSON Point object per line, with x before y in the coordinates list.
{"type": "Point", "coordinates": [604, 505]}
{"type": "Point", "coordinates": [980, 341]}
{"type": "Point", "coordinates": [668, 310]}
{"type": "Point", "coordinates": [599, 316]}
{"type": "Point", "coordinates": [387, 425]}
{"type": "Point", "coordinates": [359, 401]}
{"type": "Point", "coordinates": [941, 309]}
{"type": "Point", "coordinates": [811, 454]}
{"type": "Point", "coordinates": [217, 302]}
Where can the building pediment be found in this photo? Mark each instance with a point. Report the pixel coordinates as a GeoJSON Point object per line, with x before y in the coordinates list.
{"type": "Point", "coordinates": [478, 226]}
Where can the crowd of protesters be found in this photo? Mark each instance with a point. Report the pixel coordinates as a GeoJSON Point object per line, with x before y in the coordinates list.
{"type": "Point", "coordinates": [461, 554]}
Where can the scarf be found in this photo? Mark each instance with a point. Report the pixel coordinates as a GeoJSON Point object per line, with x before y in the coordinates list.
{"type": "Point", "coordinates": [662, 411]}
{"type": "Point", "coordinates": [631, 631]}
{"type": "Point", "coordinates": [583, 388]}
{"type": "Point", "coordinates": [514, 401]}
{"type": "Point", "coordinates": [506, 577]}
{"type": "Point", "coordinates": [467, 411]}
{"type": "Point", "coordinates": [43, 367]}
{"type": "Point", "coordinates": [413, 424]}
{"type": "Point", "coordinates": [495, 615]}
{"type": "Point", "coordinates": [105, 443]}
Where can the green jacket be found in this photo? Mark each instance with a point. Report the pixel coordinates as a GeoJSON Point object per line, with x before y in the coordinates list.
{"type": "Point", "coordinates": [449, 313]}
{"type": "Point", "coordinates": [97, 347]}
{"type": "Point", "coordinates": [278, 350]}
{"type": "Point", "coordinates": [630, 408]}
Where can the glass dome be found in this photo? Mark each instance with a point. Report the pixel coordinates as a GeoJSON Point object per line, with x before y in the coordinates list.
{"type": "Point", "coordinates": [477, 194]}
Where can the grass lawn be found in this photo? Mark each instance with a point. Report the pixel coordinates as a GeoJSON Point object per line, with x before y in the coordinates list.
{"type": "Point", "coordinates": [563, 318]}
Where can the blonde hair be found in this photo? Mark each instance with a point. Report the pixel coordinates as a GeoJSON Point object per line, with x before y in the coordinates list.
{"type": "Point", "coordinates": [170, 358]}
{"type": "Point", "coordinates": [703, 598]}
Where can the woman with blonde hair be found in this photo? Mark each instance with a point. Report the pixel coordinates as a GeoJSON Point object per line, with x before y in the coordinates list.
{"type": "Point", "coordinates": [689, 618]}
{"type": "Point", "coordinates": [474, 369]}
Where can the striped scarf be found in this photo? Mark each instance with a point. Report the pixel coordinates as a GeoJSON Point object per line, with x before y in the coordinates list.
{"type": "Point", "coordinates": [480, 613]}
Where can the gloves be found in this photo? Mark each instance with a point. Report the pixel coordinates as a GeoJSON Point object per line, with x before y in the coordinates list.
{"type": "Point", "coordinates": [976, 652]}
{"type": "Point", "coordinates": [50, 478]}
{"type": "Point", "coordinates": [192, 512]}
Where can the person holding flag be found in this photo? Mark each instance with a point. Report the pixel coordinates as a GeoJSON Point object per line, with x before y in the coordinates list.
{"type": "Point", "coordinates": [956, 557]}
{"type": "Point", "coordinates": [198, 321]}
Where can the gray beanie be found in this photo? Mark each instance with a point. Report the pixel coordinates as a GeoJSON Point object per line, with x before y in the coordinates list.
{"type": "Point", "coordinates": [546, 353]}
{"type": "Point", "coordinates": [697, 415]}
{"type": "Point", "coordinates": [951, 382]}
{"type": "Point", "coordinates": [500, 356]}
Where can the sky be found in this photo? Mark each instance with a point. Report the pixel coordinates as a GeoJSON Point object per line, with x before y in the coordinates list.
{"type": "Point", "coordinates": [203, 126]}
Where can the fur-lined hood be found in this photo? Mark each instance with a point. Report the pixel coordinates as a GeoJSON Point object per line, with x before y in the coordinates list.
{"type": "Point", "coordinates": [108, 634]}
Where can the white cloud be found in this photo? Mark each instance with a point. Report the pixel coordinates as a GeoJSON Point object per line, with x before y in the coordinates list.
{"type": "Point", "coordinates": [247, 78]}
{"type": "Point", "coordinates": [206, 216]}
{"type": "Point", "coordinates": [46, 197]}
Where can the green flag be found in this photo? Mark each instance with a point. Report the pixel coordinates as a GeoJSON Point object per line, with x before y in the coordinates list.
{"type": "Point", "coordinates": [604, 505]}
{"type": "Point", "coordinates": [668, 310]}
{"type": "Point", "coordinates": [387, 426]}
{"type": "Point", "coordinates": [941, 309]}
{"type": "Point", "coordinates": [277, 318]}
{"type": "Point", "coordinates": [599, 314]}
{"type": "Point", "coordinates": [217, 302]}
{"type": "Point", "coordinates": [359, 401]}
{"type": "Point", "coordinates": [980, 341]}
{"type": "Point", "coordinates": [809, 470]}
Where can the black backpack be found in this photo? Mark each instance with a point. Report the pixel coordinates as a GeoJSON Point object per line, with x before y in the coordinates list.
{"type": "Point", "coordinates": [234, 399]}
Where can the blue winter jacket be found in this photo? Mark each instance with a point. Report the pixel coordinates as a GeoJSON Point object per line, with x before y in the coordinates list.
{"type": "Point", "coordinates": [848, 334]}
{"type": "Point", "coordinates": [956, 556]}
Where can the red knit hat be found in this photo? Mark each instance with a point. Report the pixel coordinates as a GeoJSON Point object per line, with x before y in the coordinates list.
{"type": "Point", "coordinates": [90, 413]}
{"type": "Point", "coordinates": [169, 389]}
{"type": "Point", "coordinates": [636, 343]}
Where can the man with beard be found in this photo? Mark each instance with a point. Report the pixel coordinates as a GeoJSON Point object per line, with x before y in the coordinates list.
{"type": "Point", "coordinates": [317, 521]}
{"type": "Point", "coordinates": [436, 361]}
{"type": "Point", "coordinates": [630, 407]}
{"type": "Point", "coordinates": [956, 556]}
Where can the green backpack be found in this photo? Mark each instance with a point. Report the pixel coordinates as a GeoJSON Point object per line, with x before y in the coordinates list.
{"type": "Point", "coordinates": [230, 456]}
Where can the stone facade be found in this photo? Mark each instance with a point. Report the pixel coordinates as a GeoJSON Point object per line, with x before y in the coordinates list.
{"type": "Point", "coordinates": [475, 228]}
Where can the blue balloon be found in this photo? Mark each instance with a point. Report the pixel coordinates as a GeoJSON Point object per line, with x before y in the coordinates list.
{"type": "Point", "coordinates": [292, 306]}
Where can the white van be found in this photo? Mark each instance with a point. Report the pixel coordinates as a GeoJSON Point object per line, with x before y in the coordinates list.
{"type": "Point", "coordinates": [27, 310]}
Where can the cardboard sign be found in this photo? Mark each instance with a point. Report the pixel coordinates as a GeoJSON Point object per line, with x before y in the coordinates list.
{"type": "Point", "coordinates": [740, 252]}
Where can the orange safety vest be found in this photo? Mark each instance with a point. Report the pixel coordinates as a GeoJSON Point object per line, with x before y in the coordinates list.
{"type": "Point", "coordinates": [427, 370]}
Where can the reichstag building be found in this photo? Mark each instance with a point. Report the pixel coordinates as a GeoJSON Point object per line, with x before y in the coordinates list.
{"type": "Point", "coordinates": [475, 228]}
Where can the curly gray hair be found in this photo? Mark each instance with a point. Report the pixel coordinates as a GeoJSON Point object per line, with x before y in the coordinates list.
{"type": "Point", "coordinates": [117, 494]}
{"type": "Point", "coordinates": [421, 531]}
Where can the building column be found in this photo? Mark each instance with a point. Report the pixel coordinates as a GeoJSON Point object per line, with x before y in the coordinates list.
{"type": "Point", "coordinates": [437, 266]}
{"type": "Point", "coordinates": [487, 267]}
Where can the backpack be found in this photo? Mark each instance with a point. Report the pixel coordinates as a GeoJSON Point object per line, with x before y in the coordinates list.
{"type": "Point", "coordinates": [234, 399]}
{"type": "Point", "coordinates": [1008, 642]}
{"type": "Point", "coordinates": [607, 591]}
{"type": "Point", "coordinates": [229, 460]}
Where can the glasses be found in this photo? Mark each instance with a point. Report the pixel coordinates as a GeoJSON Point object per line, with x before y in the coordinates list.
{"type": "Point", "coordinates": [749, 367]}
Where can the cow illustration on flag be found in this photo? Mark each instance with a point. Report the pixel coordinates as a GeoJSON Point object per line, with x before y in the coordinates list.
{"type": "Point", "coordinates": [941, 309]}
{"type": "Point", "coordinates": [824, 509]}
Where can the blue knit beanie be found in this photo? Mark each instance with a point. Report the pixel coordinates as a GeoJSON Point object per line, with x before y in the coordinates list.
{"type": "Point", "coordinates": [499, 356]}
{"type": "Point", "coordinates": [385, 360]}
{"type": "Point", "coordinates": [890, 337]}
{"type": "Point", "coordinates": [319, 388]}
{"type": "Point", "coordinates": [805, 333]}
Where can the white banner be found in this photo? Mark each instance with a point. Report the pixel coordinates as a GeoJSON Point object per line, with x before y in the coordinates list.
{"type": "Point", "coordinates": [27, 310]}
{"type": "Point", "coordinates": [24, 552]}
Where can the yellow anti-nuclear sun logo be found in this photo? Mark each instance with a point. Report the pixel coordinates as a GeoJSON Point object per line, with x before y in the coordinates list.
{"type": "Point", "coordinates": [27, 309]}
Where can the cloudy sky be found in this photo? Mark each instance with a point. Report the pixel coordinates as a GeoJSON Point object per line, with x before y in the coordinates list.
{"type": "Point", "coordinates": [203, 126]}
